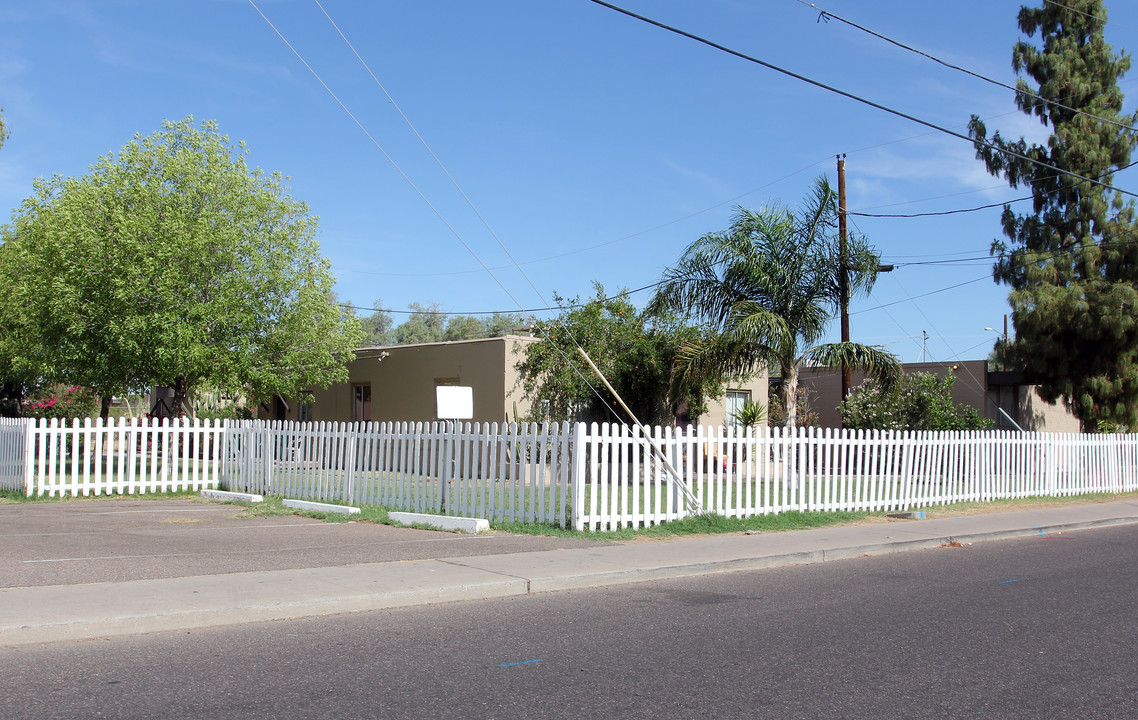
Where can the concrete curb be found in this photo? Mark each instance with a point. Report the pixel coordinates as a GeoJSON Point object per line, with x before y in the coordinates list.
{"type": "Point", "coordinates": [31, 615]}
{"type": "Point", "coordinates": [538, 582]}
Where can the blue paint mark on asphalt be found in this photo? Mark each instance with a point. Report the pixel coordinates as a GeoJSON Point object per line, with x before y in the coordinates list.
{"type": "Point", "coordinates": [1005, 582]}
{"type": "Point", "coordinates": [523, 662]}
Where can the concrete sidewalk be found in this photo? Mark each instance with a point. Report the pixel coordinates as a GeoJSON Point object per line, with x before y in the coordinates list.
{"type": "Point", "coordinates": [74, 612]}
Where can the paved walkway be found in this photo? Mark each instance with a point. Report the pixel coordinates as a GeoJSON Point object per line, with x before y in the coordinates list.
{"type": "Point", "coordinates": [78, 609]}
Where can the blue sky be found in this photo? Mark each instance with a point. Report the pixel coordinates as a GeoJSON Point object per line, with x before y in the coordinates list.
{"type": "Point", "coordinates": [594, 146]}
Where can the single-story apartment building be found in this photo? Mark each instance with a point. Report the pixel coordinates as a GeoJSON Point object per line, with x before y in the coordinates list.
{"type": "Point", "coordinates": [988, 391]}
{"type": "Point", "coordinates": [397, 383]}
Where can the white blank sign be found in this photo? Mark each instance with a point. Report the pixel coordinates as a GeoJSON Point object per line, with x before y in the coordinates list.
{"type": "Point", "coordinates": [454, 402]}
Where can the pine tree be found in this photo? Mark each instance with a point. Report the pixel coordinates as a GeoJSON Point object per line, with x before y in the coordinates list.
{"type": "Point", "coordinates": [1072, 262]}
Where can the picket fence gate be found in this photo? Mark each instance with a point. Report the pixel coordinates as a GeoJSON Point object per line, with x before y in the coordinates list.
{"type": "Point", "coordinates": [594, 477]}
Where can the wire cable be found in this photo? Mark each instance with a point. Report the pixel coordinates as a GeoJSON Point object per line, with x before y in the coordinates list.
{"type": "Point", "coordinates": [607, 298]}
{"type": "Point", "coordinates": [935, 213]}
{"type": "Point", "coordinates": [469, 202]}
{"type": "Point", "coordinates": [379, 147]}
{"type": "Point", "coordinates": [966, 210]}
{"type": "Point", "coordinates": [827, 14]}
{"type": "Point", "coordinates": [857, 98]}
{"type": "Point", "coordinates": [914, 297]}
{"type": "Point", "coordinates": [606, 243]}
{"type": "Point", "coordinates": [416, 188]}
{"type": "Point", "coordinates": [940, 335]}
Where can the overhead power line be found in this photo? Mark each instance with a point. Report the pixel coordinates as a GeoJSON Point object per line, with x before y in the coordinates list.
{"type": "Point", "coordinates": [856, 98]}
{"type": "Point", "coordinates": [827, 14]}
{"type": "Point", "coordinates": [621, 294]}
{"type": "Point", "coordinates": [972, 209]}
{"type": "Point", "coordinates": [439, 162]}
{"type": "Point", "coordinates": [941, 212]}
{"type": "Point", "coordinates": [422, 196]}
{"type": "Point", "coordinates": [914, 297]}
{"type": "Point", "coordinates": [379, 147]}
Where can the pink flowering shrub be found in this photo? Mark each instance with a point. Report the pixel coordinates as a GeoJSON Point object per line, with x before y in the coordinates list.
{"type": "Point", "coordinates": [61, 402]}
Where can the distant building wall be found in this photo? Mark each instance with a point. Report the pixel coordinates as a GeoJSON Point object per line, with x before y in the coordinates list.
{"type": "Point", "coordinates": [825, 386]}
{"type": "Point", "coordinates": [401, 381]}
{"type": "Point", "coordinates": [975, 386]}
{"type": "Point", "coordinates": [399, 384]}
{"type": "Point", "coordinates": [753, 389]}
{"type": "Point", "coordinates": [1037, 414]}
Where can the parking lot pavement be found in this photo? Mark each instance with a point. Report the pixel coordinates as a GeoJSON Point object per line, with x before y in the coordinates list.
{"type": "Point", "coordinates": [123, 539]}
{"type": "Point", "coordinates": [84, 569]}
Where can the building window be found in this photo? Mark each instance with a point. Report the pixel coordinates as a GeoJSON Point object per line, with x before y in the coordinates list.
{"type": "Point", "coordinates": [361, 403]}
{"type": "Point", "coordinates": [304, 412]}
{"type": "Point", "coordinates": [736, 399]}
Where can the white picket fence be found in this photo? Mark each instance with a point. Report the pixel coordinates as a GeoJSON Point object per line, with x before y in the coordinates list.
{"type": "Point", "coordinates": [738, 473]}
{"type": "Point", "coordinates": [506, 472]}
{"type": "Point", "coordinates": [121, 456]}
{"type": "Point", "coordinates": [594, 477]}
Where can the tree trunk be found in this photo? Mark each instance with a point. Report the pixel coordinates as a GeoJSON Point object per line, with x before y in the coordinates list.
{"type": "Point", "coordinates": [178, 404]}
{"type": "Point", "coordinates": [105, 407]}
{"type": "Point", "coordinates": [790, 394]}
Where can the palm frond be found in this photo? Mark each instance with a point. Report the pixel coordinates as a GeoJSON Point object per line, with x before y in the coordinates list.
{"type": "Point", "coordinates": [874, 360]}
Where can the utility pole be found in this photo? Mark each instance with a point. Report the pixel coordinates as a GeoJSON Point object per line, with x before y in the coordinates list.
{"type": "Point", "coordinates": [843, 270]}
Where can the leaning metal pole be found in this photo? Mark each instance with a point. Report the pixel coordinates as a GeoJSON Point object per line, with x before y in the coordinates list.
{"type": "Point", "coordinates": [674, 475]}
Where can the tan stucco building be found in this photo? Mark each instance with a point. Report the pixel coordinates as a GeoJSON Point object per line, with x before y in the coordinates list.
{"type": "Point", "coordinates": [397, 383]}
{"type": "Point", "coordinates": [975, 385]}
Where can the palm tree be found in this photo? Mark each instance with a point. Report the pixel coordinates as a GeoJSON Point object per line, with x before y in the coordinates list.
{"type": "Point", "coordinates": [769, 286]}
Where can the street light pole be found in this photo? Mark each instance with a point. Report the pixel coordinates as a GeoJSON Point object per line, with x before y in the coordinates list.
{"type": "Point", "coordinates": [1004, 335]}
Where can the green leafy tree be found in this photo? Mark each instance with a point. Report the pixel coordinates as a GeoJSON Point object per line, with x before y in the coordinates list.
{"type": "Point", "coordinates": [500, 324]}
{"type": "Point", "coordinates": [378, 327]}
{"type": "Point", "coordinates": [768, 287]}
{"type": "Point", "coordinates": [1072, 262]}
{"type": "Point", "coordinates": [428, 323]}
{"type": "Point", "coordinates": [635, 350]}
{"type": "Point", "coordinates": [425, 324]}
{"type": "Point", "coordinates": [463, 327]}
{"type": "Point", "coordinates": [13, 389]}
{"type": "Point", "coordinates": [172, 263]}
{"type": "Point", "coordinates": [918, 401]}
{"type": "Point", "coordinates": [468, 327]}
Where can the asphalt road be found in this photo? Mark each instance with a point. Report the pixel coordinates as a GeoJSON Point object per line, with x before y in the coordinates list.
{"type": "Point", "coordinates": [112, 540]}
{"type": "Point", "coordinates": [1033, 628]}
